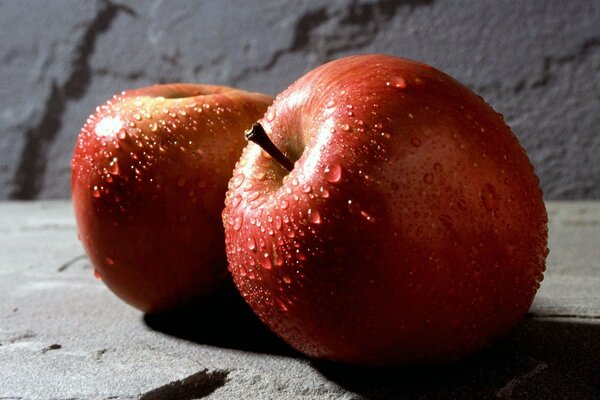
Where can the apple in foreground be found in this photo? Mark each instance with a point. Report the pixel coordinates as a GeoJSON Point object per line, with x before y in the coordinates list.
{"type": "Point", "coordinates": [397, 219]}
{"type": "Point", "coordinates": [149, 174]}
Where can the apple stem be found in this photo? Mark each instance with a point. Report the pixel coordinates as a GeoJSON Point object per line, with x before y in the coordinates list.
{"type": "Point", "coordinates": [258, 135]}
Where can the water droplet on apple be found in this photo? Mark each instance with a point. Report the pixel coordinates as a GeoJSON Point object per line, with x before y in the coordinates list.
{"type": "Point", "coordinates": [236, 200]}
{"type": "Point", "coordinates": [415, 142]}
{"type": "Point", "coordinates": [109, 261]}
{"type": "Point", "coordinates": [346, 127]}
{"type": "Point", "coordinates": [367, 216]}
{"type": "Point", "coordinates": [237, 181]}
{"type": "Point", "coordinates": [97, 274]}
{"type": "Point", "coordinates": [314, 216]}
{"type": "Point", "coordinates": [428, 178]}
{"type": "Point", "coordinates": [122, 134]}
{"type": "Point", "coordinates": [237, 222]}
{"type": "Point", "coordinates": [330, 103]}
{"type": "Point", "coordinates": [270, 116]}
{"type": "Point", "coordinates": [333, 173]}
{"type": "Point", "coordinates": [137, 117]}
{"type": "Point", "coordinates": [287, 279]}
{"type": "Point", "coordinates": [300, 255]}
{"type": "Point", "coordinates": [153, 127]}
{"type": "Point", "coordinates": [489, 197]}
{"type": "Point", "coordinates": [113, 167]}
{"type": "Point", "coordinates": [251, 243]}
{"type": "Point", "coordinates": [281, 305]}
{"type": "Point", "coordinates": [397, 82]}
{"type": "Point", "coordinates": [96, 192]}
{"type": "Point", "coordinates": [253, 196]}
{"type": "Point", "coordinates": [265, 261]}
{"type": "Point", "coordinates": [324, 193]}
{"type": "Point", "coordinates": [283, 204]}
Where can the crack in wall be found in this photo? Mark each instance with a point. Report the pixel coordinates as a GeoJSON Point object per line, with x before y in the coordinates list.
{"type": "Point", "coordinates": [549, 69]}
{"type": "Point", "coordinates": [29, 176]}
{"type": "Point", "coordinates": [198, 385]}
{"type": "Point", "coordinates": [360, 25]}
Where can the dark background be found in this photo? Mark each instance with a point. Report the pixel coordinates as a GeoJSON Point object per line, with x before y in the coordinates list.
{"type": "Point", "coordinates": [537, 62]}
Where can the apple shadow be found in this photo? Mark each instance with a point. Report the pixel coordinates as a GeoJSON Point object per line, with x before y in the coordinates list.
{"type": "Point", "coordinates": [539, 359]}
{"type": "Point", "coordinates": [221, 320]}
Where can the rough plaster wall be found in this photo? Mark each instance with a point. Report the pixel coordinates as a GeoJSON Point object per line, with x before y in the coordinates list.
{"type": "Point", "coordinates": [537, 62]}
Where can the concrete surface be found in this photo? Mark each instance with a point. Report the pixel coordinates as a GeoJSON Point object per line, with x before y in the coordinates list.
{"type": "Point", "coordinates": [537, 62]}
{"type": "Point", "coordinates": [63, 335]}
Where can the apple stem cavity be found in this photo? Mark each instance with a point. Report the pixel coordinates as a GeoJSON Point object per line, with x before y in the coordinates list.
{"type": "Point", "coordinates": [258, 135]}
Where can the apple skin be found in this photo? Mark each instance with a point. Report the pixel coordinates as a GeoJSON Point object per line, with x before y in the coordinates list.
{"type": "Point", "coordinates": [411, 230]}
{"type": "Point", "coordinates": [149, 175]}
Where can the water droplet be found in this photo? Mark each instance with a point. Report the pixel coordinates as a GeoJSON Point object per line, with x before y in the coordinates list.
{"type": "Point", "coordinates": [153, 127]}
{"type": "Point", "coordinates": [333, 173]}
{"type": "Point", "coordinates": [236, 200]}
{"type": "Point", "coordinates": [251, 243]}
{"type": "Point", "coordinates": [283, 204]}
{"type": "Point", "coordinates": [253, 196]}
{"type": "Point", "coordinates": [314, 216]}
{"type": "Point", "coordinates": [330, 103]}
{"type": "Point", "coordinates": [287, 279]}
{"type": "Point", "coordinates": [415, 142]}
{"type": "Point", "coordinates": [137, 117]}
{"type": "Point", "coordinates": [113, 167]}
{"type": "Point", "coordinates": [324, 193]}
{"type": "Point", "coordinates": [265, 261]}
{"type": "Point", "coordinates": [270, 116]}
{"type": "Point", "coordinates": [397, 82]}
{"type": "Point", "coordinates": [237, 222]}
{"type": "Point", "coordinates": [346, 127]}
{"type": "Point", "coordinates": [122, 134]}
{"type": "Point", "coordinates": [367, 216]}
{"type": "Point", "coordinates": [238, 180]}
{"type": "Point", "coordinates": [109, 261]}
{"type": "Point", "coordinates": [281, 305]}
{"type": "Point", "coordinates": [96, 192]}
{"type": "Point", "coordinates": [428, 178]}
{"type": "Point", "coordinates": [489, 197]}
{"type": "Point", "coordinates": [97, 274]}
{"type": "Point", "coordinates": [300, 256]}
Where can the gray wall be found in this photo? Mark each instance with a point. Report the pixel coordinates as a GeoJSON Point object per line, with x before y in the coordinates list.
{"type": "Point", "coordinates": [537, 62]}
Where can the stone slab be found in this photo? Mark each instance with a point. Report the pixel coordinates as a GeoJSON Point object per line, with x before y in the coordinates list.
{"type": "Point", "coordinates": [63, 335]}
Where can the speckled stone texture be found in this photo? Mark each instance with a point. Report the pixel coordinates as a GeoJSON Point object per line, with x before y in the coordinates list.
{"type": "Point", "coordinates": [537, 62]}
{"type": "Point", "coordinates": [64, 335]}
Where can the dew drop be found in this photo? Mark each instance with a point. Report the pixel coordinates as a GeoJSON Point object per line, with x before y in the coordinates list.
{"type": "Point", "coordinates": [238, 180]}
{"type": "Point", "coordinates": [287, 279]}
{"type": "Point", "coordinates": [96, 192]}
{"type": "Point", "coordinates": [270, 116]}
{"type": "Point", "coordinates": [314, 216]}
{"type": "Point", "coordinates": [346, 127]}
{"type": "Point", "coordinates": [97, 274]}
{"type": "Point", "coordinates": [251, 243]}
{"type": "Point", "coordinates": [236, 200]}
{"type": "Point", "coordinates": [237, 222]}
{"type": "Point", "coordinates": [109, 261]}
{"type": "Point", "coordinates": [122, 134]}
{"type": "Point", "coordinates": [324, 193]}
{"type": "Point", "coordinates": [330, 103]}
{"type": "Point", "coordinates": [415, 142]}
{"type": "Point", "coordinates": [113, 168]}
{"type": "Point", "coordinates": [397, 82]}
{"type": "Point", "coordinates": [489, 197]}
{"type": "Point", "coordinates": [333, 173]}
{"type": "Point", "coordinates": [367, 216]}
{"type": "Point", "coordinates": [265, 261]}
{"type": "Point", "coordinates": [283, 204]}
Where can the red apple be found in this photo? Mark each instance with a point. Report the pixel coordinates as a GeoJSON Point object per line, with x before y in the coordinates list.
{"type": "Point", "coordinates": [150, 173]}
{"type": "Point", "coordinates": [410, 229]}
